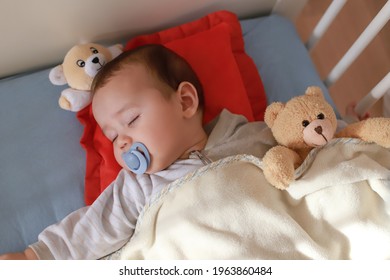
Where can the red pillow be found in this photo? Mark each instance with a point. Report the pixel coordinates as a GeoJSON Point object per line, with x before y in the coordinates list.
{"type": "Point", "coordinates": [214, 47]}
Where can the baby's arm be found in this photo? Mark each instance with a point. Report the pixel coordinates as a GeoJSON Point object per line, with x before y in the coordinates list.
{"type": "Point", "coordinates": [28, 254]}
{"type": "Point", "coordinates": [91, 232]}
{"type": "Point", "coordinates": [94, 231]}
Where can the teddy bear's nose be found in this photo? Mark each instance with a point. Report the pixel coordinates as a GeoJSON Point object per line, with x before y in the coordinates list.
{"type": "Point", "coordinates": [318, 129]}
{"type": "Point", "coordinates": [95, 60]}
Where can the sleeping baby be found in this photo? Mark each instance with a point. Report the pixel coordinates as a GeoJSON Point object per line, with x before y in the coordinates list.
{"type": "Point", "coordinates": [149, 103]}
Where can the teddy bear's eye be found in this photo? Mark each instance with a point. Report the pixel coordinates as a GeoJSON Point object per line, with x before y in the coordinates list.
{"type": "Point", "coordinates": [80, 63]}
{"type": "Point", "coordinates": [305, 123]}
{"type": "Point", "coordinates": [321, 116]}
{"type": "Point", "coordinates": [93, 50]}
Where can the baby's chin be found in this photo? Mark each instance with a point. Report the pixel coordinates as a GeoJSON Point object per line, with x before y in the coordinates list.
{"type": "Point", "coordinates": [154, 168]}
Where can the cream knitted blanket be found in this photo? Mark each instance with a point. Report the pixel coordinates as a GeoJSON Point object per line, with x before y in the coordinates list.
{"type": "Point", "coordinates": [338, 208]}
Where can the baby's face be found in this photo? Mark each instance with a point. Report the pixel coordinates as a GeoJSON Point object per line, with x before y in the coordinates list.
{"type": "Point", "coordinates": [130, 108]}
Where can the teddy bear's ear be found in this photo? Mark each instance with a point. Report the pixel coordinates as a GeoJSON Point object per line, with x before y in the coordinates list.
{"type": "Point", "coordinates": [272, 112]}
{"type": "Point", "coordinates": [57, 76]}
{"type": "Point", "coordinates": [115, 50]}
{"type": "Point", "coordinates": [314, 91]}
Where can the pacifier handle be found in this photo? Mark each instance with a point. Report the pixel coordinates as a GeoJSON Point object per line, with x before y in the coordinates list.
{"type": "Point", "coordinates": [137, 158]}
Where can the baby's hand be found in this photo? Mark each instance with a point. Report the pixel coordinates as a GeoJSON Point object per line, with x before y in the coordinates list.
{"type": "Point", "coordinates": [350, 112]}
{"type": "Point", "coordinates": [28, 254]}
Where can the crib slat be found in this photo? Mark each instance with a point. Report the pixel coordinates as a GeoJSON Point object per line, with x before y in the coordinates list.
{"type": "Point", "coordinates": [327, 18]}
{"type": "Point", "coordinates": [373, 96]}
{"type": "Point", "coordinates": [359, 45]}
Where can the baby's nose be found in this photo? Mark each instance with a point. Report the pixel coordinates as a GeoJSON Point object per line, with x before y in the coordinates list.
{"type": "Point", "coordinates": [125, 142]}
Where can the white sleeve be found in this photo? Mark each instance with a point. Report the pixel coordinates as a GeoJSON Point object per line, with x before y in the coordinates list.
{"type": "Point", "coordinates": [97, 230]}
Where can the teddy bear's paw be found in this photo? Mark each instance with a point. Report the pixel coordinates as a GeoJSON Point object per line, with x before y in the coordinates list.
{"type": "Point", "coordinates": [279, 166]}
{"type": "Point", "coordinates": [64, 103]}
{"type": "Point", "coordinates": [381, 132]}
{"type": "Point", "coordinates": [375, 130]}
{"type": "Point", "coordinates": [382, 139]}
{"type": "Point", "coordinates": [280, 179]}
{"type": "Point", "coordinates": [279, 172]}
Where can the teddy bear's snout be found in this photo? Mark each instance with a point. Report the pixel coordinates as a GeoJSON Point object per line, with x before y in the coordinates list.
{"type": "Point", "coordinates": [93, 64]}
{"type": "Point", "coordinates": [318, 129]}
{"type": "Point", "coordinates": [95, 60]}
{"type": "Point", "coordinates": [318, 133]}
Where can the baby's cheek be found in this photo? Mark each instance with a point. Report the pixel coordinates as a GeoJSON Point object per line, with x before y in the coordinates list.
{"type": "Point", "coordinates": [118, 158]}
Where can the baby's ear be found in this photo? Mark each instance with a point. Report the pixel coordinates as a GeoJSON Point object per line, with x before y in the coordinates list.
{"type": "Point", "coordinates": [272, 112]}
{"type": "Point", "coordinates": [188, 97]}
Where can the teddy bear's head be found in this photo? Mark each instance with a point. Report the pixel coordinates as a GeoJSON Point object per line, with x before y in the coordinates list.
{"type": "Point", "coordinates": [303, 122]}
{"type": "Point", "coordinates": [80, 65]}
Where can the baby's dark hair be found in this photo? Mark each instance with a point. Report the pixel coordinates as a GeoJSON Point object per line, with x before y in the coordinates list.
{"type": "Point", "coordinates": [168, 67]}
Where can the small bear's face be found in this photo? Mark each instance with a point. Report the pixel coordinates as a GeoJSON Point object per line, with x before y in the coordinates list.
{"type": "Point", "coordinates": [82, 63]}
{"type": "Point", "coordinates": [304, 121]}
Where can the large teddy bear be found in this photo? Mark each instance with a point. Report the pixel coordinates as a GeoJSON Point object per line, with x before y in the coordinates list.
{"type": "Point", "coordinates": [80, 65]}
{"type": "Point", "coordinates": [305, 122]}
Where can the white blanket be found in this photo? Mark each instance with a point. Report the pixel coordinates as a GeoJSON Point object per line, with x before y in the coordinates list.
{"type": "Point", "coordinates": [338, 208]}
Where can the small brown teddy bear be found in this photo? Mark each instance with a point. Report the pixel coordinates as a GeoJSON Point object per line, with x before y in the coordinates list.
{"type": "Point", "coordinates": [305, 122]}
{"type": "Point", "coordinates": [80, 65]}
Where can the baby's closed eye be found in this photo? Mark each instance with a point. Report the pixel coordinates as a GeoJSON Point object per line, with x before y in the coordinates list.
{"type": "Point", "coordinates": [133, 120]}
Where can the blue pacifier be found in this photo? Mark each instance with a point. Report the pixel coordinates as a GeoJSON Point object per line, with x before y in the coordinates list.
{"type": "Point", "coordinates": [137, 158]}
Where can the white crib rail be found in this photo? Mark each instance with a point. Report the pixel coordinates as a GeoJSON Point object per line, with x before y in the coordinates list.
{"type": "Point", "coordinates": [360, 44]}
{"type": "Point", "coordinates": [327, 18]}
{"type": "Point", "coordinates": [354, 51]}
{"type": "Point", "coordinates": [373, 96]}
